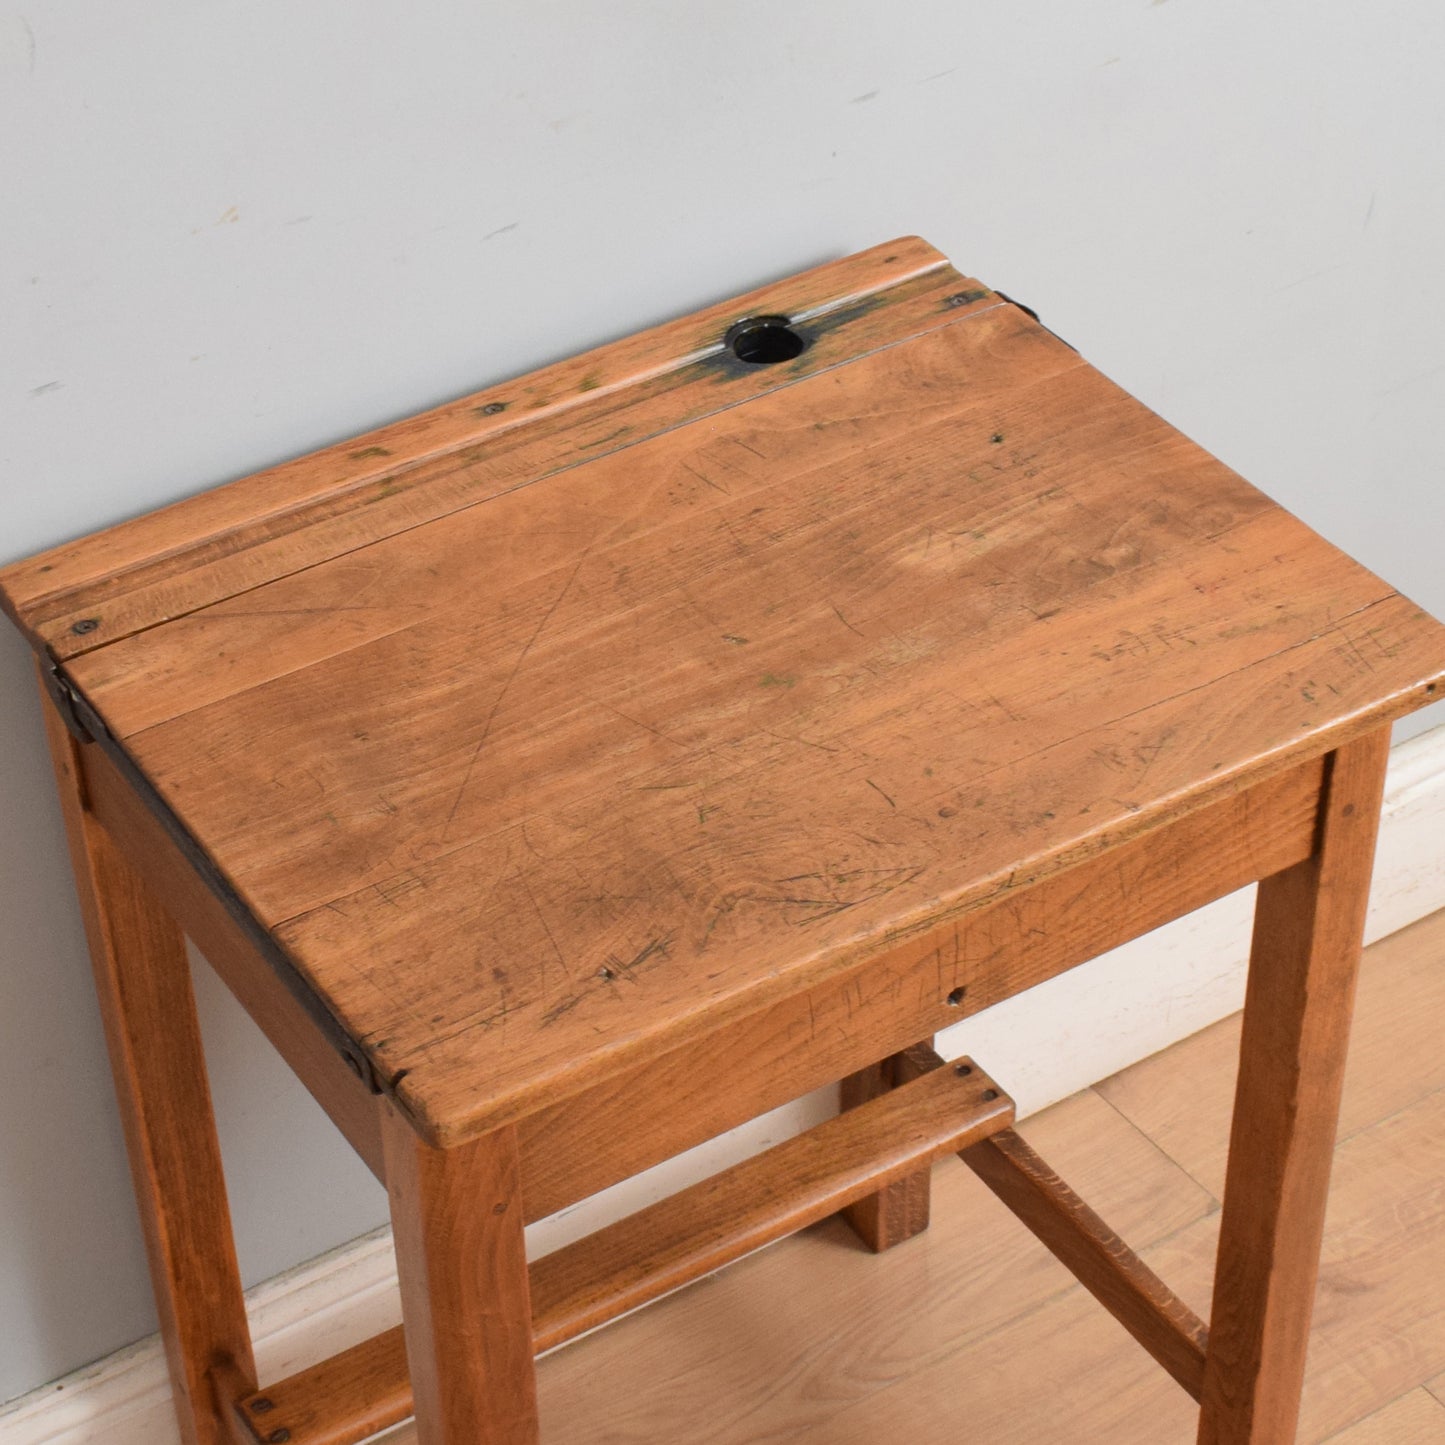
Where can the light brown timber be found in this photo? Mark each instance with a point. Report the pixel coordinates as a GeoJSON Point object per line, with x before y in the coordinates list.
{"type": "Point", "coordinates": [756, 721]}
{"type": "Point", "coordinates": [206, 920]}
{"type": "Point", "coordinates": [774, 1194]}
{"type": "Point", "coordinates": [1094, 1255]}
{"type": "Point", "coordinates": [342, 1400]}
{"type": "Point", "coordinates": [941, 1109]}
{"type": "Point", "coordinates": [460, 1256]}
{"type": "Point", "coordinates": [817, 1341]}
{"type": "Point", "coordinates": [577, 1146]}
{"type": "Point", "coordinates": [900, 1210]}
{"type": "Point", "coordinates": [230, 538]}
{"type": "Point", "coordinates": [1309, 922]}
{"type": "Point", "coordinates": [900, 628]}
{"type": "Point", "coordinates": [143, 983]}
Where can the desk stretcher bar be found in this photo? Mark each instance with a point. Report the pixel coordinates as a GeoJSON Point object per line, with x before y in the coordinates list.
{"type": "Point", "coordinates": [943, 1108]}
{"type": "Point", "coordinates": [659, 1249]}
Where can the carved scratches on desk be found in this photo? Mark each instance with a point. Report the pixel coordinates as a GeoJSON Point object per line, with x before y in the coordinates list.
{"type": "Point", "coordinates": [430, 574]}
{"type": "Point", "coordinates": [805, 1041]}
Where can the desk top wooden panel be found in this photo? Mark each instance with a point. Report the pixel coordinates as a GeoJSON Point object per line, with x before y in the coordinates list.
{"type": "Point", "coordinates": [536, 743]}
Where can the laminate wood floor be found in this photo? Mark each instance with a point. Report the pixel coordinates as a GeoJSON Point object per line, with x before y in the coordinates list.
{"type": "Point", "coordinates": [972, 1331]}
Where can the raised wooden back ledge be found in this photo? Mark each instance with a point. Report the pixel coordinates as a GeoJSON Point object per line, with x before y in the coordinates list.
{"type": "Point", "coordinates": [76, 582]}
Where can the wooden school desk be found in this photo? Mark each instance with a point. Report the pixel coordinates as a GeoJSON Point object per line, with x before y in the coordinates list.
{"type": "Point", "coordinates": [571, 773]}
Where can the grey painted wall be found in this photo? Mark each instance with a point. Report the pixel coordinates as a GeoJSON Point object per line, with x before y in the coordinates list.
{"type": "Point", "coordinates": [236, 231]}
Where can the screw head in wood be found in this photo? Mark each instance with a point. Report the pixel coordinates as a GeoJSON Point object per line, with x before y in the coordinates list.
{"type": "Point", "coordinates": [86, 624]}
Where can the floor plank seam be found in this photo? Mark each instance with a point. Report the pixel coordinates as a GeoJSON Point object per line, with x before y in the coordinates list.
{"type": "Point", "coordinates": [1159, 1149]}
{"type": "Point", "coordinates": [1378, 1413]}
{"type": "Point", "coordinates": [1342, 1139]}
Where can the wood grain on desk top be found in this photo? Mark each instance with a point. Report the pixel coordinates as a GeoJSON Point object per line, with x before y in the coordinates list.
{"type": "Point", "coordinates": [765, 668]}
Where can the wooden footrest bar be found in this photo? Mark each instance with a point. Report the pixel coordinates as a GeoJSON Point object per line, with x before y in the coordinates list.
{"type": "Point", "coordinates": [661, 1248]}
{"type": "Point", "coordinates": [763, 1199]}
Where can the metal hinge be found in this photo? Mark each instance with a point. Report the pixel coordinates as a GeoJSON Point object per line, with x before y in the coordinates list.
{"type": "Point", "coordinates": [84, 723]}
{"type": "Point", "coordinates": [1029, 311]}
{"type": "Point", "coordinates": [87, 726]}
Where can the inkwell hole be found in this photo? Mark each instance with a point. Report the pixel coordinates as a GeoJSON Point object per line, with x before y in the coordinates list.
{"type": "Point", "coordinates": [764, 340]}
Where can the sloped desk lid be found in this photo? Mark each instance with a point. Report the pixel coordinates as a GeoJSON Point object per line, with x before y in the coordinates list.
{"type": "Point", "coordinates": [664, 682]}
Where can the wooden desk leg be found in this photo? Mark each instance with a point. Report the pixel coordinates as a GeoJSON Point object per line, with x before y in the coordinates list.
{"type": "Point", "coordinates": [143, 981]}
{"type": "Point", "coordinates": [1309, 923]}
{"type": "Point", "coordinates": [899, 1210]}
{"type": "Point", "coordinates": [466, 1308]}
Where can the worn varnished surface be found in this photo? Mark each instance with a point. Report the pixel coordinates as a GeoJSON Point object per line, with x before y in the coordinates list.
{"type": "Point", "coordinates": [531, 779]}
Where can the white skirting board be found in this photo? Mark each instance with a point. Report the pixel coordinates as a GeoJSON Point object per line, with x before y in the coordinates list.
{"type": "Point", "coordinates": [1044, 1045]}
